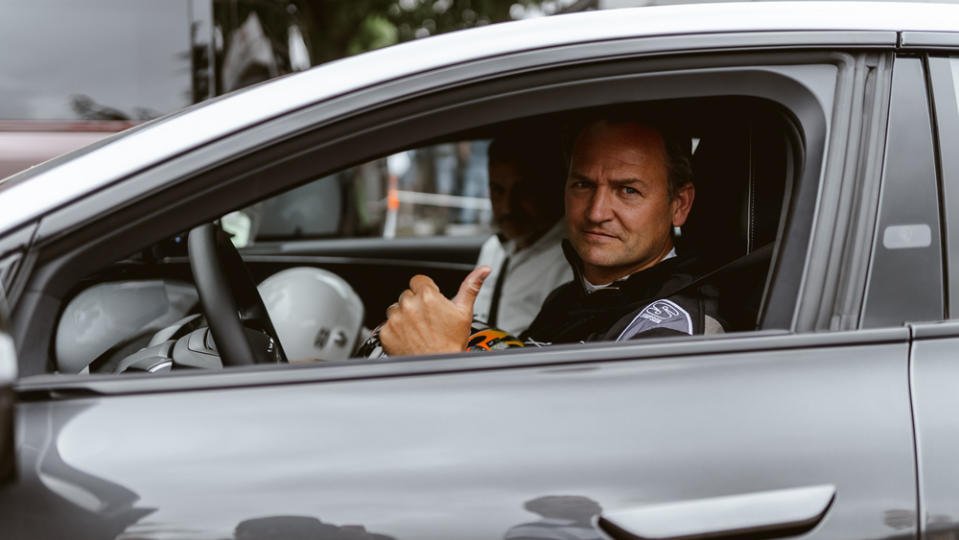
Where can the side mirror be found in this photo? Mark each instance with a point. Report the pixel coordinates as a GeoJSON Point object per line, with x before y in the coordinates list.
{"type": "Point", "coordinates": [8, 376]}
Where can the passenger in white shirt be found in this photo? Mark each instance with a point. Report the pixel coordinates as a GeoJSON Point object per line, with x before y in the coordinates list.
{"type": "Point", "coordinates": [526, 191]}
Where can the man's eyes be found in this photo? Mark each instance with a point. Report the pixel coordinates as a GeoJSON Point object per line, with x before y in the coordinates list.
{"type": "Point", "coordinates": [628, 191]}
{"type": "Point", "coordinates": [581, 184]}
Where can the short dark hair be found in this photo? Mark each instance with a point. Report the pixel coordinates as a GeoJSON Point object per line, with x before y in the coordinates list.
{"type": "Point", "coordinates": [679, 159]}
{"type": "Point", "coordinates": [677, 144]}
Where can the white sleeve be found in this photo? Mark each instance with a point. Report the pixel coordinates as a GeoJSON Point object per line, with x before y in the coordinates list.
{"type": "Point", "coordinates": [492, 255]}
{"type": "Point", "coordinates": [526, 288]}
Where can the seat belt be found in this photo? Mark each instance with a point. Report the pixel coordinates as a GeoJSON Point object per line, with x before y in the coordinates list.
{"type": "Point", "coordinates": [497, 292]}
{"type": "Point", "coordinates": [748, 259]}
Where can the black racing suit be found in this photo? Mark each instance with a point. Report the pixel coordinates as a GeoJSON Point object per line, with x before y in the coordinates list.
{"type": "Point", "coordinates": [657, 301]}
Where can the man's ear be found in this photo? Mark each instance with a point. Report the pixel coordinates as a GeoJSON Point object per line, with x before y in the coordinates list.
{"type": "Point", "coordinates": [683, 203]}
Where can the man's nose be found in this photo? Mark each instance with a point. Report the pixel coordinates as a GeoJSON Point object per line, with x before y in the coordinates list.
{"type": "Point", "coordinates": [599, 208]}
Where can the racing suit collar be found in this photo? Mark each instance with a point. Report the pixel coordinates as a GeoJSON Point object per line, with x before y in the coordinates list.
{"type": "Point", "coordinates": [641, 278]}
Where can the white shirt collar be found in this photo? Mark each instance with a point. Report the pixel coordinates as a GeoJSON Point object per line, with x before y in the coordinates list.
{"type": "Point", "coordinates": [590, 288]}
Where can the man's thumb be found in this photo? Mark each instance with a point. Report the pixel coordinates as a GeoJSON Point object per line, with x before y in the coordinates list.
{"type": "Point", "coordinates": [470, 288]}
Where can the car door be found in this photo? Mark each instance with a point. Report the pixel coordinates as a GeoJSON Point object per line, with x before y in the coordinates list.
{"type": "Point", "coordinates": [933, 369]}
{"type": "Point", "coordinates": [789, 428]}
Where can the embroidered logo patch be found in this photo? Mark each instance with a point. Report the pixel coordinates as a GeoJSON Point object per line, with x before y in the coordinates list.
{"type": "Point", "coordinates": [659, 314]}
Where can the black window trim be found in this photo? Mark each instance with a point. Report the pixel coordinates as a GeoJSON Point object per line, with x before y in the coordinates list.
{"type": "Point", "coordinates": [945, 116]}
{"type": "Point", "coordinates": [890, 275]}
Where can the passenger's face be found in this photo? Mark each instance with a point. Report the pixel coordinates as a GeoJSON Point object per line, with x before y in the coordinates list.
{"type": "Point", "coordinates": [619, 215]}
{"type": "Point", "coordinates": [518, 207]}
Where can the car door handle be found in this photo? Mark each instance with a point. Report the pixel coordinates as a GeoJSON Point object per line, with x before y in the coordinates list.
{"type": "Point", "coordinates": [765, 514]}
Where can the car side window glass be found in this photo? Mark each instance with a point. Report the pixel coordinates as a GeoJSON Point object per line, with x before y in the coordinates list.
{"type": "Point", "coordinates": [905, 280]}
{"type": "Point", "coordinates": [437, 190]}
{"type": "Point", "coordinates": [343, 246]}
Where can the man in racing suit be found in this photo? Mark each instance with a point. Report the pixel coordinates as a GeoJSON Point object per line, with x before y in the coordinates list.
{"type": "Point", "coordinates": [662, 300]}
{"type": "Point", "coordinates": [629, 185]}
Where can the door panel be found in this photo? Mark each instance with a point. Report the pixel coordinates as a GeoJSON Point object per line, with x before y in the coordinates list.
{"type": "Point", "coordinates": [491, 453]}
{"type": "Point", "coordinates": [934, 367]}
{"type": "Point", "coordinates": [935, 376]}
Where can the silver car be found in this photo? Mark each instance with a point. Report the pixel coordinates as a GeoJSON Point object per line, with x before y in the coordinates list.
{"type": "Point", "coordinates": [827, 193]}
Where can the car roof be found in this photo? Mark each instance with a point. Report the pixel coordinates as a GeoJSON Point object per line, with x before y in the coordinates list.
{"type": "Point", "coordinates": [34, 192]}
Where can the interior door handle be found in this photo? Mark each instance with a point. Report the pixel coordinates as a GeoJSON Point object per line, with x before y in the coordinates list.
{"type": "Point", "coordinates": [764, 514]}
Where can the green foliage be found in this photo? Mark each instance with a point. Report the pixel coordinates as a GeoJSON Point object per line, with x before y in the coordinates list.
{"type": "Point", "coordinates": [346, 27]}
{"type": "Point", "coordinates": [374, 32]}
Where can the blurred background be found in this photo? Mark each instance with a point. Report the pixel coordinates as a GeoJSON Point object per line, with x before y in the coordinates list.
{"type": "Point", "coordinates": [77, 72]}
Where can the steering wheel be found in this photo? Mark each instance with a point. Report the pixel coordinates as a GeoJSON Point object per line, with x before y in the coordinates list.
{"type": "Point", "coordinates": [241, 326]}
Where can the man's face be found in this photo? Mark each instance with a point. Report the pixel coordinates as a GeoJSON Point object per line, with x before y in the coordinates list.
{"type": "Point", "coordinates": [619, 215]}
{"type": "Point", "coordinates": [518, 208]}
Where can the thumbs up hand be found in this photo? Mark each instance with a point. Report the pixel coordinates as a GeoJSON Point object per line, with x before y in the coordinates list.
{"type": "Point", "coordinates": [423, 321]}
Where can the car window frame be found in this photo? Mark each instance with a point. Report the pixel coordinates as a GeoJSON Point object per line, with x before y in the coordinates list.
{"type": "Point", "coordinates": [945, 107]}
{"type": "Point", "coordinates": [917, 271]}
{"type": "Point", "coordinates": [55, 235]}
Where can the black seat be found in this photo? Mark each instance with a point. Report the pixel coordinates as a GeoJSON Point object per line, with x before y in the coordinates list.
{"type": "Point", "coordinates": [740, 175]}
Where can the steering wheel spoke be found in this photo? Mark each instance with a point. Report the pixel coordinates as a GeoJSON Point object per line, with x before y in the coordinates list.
{"type": "Point", "coordinates": [230, 300]}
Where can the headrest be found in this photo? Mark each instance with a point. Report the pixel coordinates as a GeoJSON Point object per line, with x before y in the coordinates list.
{"type": "Point", "coordinates": [739, 175]}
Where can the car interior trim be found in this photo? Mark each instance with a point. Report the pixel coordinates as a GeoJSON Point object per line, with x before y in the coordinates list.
{"type": "Point", "coordinates": [324, 260]}
{"type": "Point", "coordinates": [433, 248]}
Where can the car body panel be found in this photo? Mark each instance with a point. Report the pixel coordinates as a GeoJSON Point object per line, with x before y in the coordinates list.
{"type": "Point", "coordinates": [460, 454]}
{"type": "Point", "coordinates": [933, 371]}
{"type": "Point", "coordinates": [934, 378]}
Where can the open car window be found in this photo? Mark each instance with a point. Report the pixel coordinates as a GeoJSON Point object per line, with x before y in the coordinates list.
{"type": "Point", "coordinates": [758, 131]}
{"type": "Point", "coordinates": [344, 227]}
